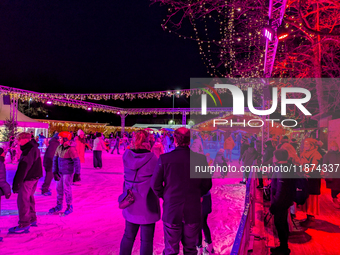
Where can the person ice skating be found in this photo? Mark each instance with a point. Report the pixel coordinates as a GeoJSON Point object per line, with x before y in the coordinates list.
{"type": "Point", "coordinates": [5, 188]}
{"type": "Point", "coordinates": [48, 162]}
{"type": "Point", "coordinates": [248, 160]}
{"type": "Point", "coordinates": [206, 210]}
{"type": "Point", "coordinates": [229, 144]}
{"type": "Point", "coordinates": [98, 147]}
{"type": "Point", "coordinates": [66, 163]}
{"type": "Point", "coordinates": [221, 161]}
{"type": "Point", "coordinates": [25, 182]}
{"type": "Point", "coordinates": [181, 194]}
{"type": "Point", "coordinates": [139, 165]}
{"type": "Point", "coordinates": [157, 148]}
{"type": "Point", "coordinates": [282, 194]}
{"type": "Point", "coordinates": [116, 146]}
{"type": "Point", "coordinates": [197, 145]}
{"type": "Point", "coordinates": [81, 144]}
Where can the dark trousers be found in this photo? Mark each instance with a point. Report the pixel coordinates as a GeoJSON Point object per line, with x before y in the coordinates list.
{"type": "Point", "coordinates": [281, 225]}
{"type": "Point", "coordinates": [26, 203]}
{"type": "Point", "coordinates": [185, 233]}
{"type": "Point", "coordinates": [335, 193]}
{"type": "Point", "coordinates": [48, 179]}
{"type": "Point", "coordinates": [146, 238]}
{"type": "Point", "coordinates": [115, 147]}
{"type": "Point", "coordinates": [97, 159]}
{"type": "Point", "coordinates": [259, 176]}
{"type": "Point", "coordinates": [206, 231]}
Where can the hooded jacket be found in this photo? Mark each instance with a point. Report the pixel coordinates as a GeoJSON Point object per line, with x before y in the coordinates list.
{"type": "Point", "coordinates": [29, 166]}
{"type": "Point", "coordinates": [50, 151]}
{"type": "Point", "coordinates": [146, 208]}
{"type": "Point", "coordinates": [249, 156]}
{"type": "Point", "coordinates": [66, 160]}
{"type": "Point", "coordinates": [5, 188]}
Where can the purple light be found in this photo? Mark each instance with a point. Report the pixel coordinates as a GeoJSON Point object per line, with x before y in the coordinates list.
{"type": "Point", "coordinates": [49, 102]}
{"type": "Point", "coordinates": [268, 34]}
{"type": "Point", "coordinates": [118, 112]}
{"type": "Point", "coordinates": [89, 108]}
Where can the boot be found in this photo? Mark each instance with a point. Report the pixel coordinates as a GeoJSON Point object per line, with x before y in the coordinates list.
{"type": "Point", "coordinates": [209, 248]}
{"type": "Point", "coordinates": [69, 210]}
{"type": "Point", "coordinates": [336, 203]}
{"type": "Point", "coordinates": [309, 222]}
{"type": "Point", "coordinates": [55, 209]}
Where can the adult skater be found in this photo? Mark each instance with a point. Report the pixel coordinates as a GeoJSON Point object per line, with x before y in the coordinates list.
{"type": "Point", "coordinates": [5, 188]}
{"type": "Point", "coordinates": [116, 146]}
{"type": "Point", "coordinates": [181, 194]}
{"type": "Point", "coordinates": [98, 147]}
{"type": "Point", "coordinates": [25, 182]}
{"type": "Point", "coordinates": [139, 165]}
{"type": "Point", "coordinates": [206, 210]}
{"type": "Point", "coordinates": [48, 162]}
{"type": "Point", "coordinates": [80, 145]}
{"type": "Point", "coordinates": [65, 163]}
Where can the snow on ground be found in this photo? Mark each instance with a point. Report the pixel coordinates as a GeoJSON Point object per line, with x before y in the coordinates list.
{"type": "Point", "coordinates": [96, 226]}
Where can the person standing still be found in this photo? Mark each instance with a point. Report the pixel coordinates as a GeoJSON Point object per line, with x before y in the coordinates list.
{"type": "Point", "coordinates": [25, 182]}
{"type": "Point", "coordinates": [48, 162]}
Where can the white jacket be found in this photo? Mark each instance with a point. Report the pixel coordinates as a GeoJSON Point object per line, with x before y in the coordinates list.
{"type": "Point", "coordinates": [99, 144]}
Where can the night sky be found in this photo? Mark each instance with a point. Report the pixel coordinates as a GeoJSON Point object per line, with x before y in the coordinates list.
{"type": "Point", "coordinates": [93, 46]}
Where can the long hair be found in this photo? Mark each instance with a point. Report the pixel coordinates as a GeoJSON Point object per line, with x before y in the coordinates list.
{"type": "Point", "coordinates": [140, 139]}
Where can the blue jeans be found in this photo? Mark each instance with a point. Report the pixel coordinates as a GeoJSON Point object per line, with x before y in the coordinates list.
{"type": "Point", "coordinates": [147, 232]}
{"type": "Point", "coordinates": [64, 185]}
{"type": "Point", "coordinates": [228, 152]}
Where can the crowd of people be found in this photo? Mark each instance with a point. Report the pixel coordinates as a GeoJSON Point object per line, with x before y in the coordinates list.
{"type": "Point", "coordinates": [158, 167]}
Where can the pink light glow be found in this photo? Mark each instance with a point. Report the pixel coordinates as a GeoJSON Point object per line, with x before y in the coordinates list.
{"type": "Point", "coordinates": [89, 108]}
{"type": "Point", "coordinates": [49, 102]}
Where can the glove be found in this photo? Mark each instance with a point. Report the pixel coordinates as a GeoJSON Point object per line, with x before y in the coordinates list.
{"type": "Point", "coordinates": [76, 178]}
{"type": "Point", "coordinates": [56, 176]}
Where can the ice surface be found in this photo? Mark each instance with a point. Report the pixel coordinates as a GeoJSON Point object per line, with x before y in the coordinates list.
{"type": "Point", "coordinates": [96, 226]}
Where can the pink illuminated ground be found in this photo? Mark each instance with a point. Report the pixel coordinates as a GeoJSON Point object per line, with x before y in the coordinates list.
{"type": "Point", "coordinates": [96, 225]}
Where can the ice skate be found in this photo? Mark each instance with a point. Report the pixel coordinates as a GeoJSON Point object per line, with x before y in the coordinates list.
{"type": "Point", "coordinates": [68, 210]}
{"type": "Point", "coordinates": [19, 230]}
{"type": "Point", "coordinates": [56, 209]}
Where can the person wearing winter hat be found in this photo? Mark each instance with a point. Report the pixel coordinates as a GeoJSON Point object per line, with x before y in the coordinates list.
{"type": "Point", "coordinates": [282, 193]}
{"type": "Point", "coordinates": [48, 162]}
{"type": "Point", "coordinates": [5, 188]}
{"type": "Point", "coordinates": [65, 163]}
{"type": "Point", "coordinates": [25, 182]}
{"type": "Point", "coordinates": [332, 157]}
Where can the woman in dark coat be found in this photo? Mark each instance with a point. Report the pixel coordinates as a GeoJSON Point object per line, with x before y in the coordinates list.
{"type": "Point", "coordinates": [248, 160]}
{"type": "Point", "coordinates": [206, 210]}
{"type": "Point", "coordinates": [332, 179]}
{"type": "Point", "coordinates": [310, 156]}
{"type": "Point", "coordinates": [5, 188]}
{"type": "Point", "coordinates": [139, 165]}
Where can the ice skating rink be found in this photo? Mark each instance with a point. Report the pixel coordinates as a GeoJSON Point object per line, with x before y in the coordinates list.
{"type": "Point", "coordinates": [96, 226]}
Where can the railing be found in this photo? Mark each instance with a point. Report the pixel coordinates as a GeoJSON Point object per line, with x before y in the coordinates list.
{"type": "Point", "coordinates": [242, 238]}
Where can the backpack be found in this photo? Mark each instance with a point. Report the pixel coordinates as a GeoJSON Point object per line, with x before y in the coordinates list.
{"type": "Point", "coordinates": [300, 191]}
